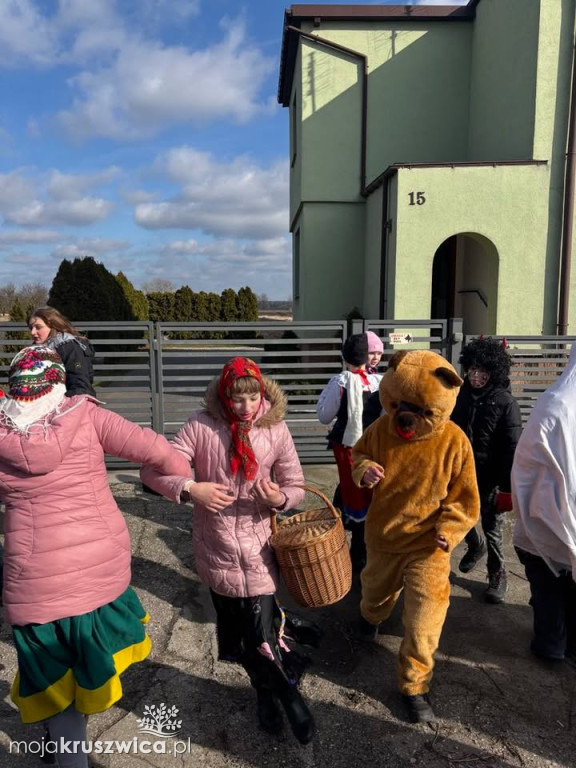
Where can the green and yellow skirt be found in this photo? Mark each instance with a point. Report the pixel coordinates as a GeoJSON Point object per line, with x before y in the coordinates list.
{"type": "Point", "coordinates": [79, 659]}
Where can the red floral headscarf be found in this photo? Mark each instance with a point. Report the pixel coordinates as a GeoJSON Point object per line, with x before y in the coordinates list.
{"type": "Point", "coordinates": [241, 453]}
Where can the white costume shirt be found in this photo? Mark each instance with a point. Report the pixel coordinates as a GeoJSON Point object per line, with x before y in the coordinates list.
{"type": "Point", "coordinates": [329, 401]}
{"type": "Point", "coordinates": [544, 476]}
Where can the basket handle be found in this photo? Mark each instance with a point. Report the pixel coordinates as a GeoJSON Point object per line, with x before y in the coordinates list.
{"type": "Point", "coordinates": [309, 489]}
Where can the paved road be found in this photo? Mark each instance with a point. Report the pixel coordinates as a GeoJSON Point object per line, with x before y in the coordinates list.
{"type": "Point", "coordinates": [498, 707]}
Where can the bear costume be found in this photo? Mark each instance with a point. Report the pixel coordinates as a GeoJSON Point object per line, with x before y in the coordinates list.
{"type": "Point", "coordinates": [425, 499]}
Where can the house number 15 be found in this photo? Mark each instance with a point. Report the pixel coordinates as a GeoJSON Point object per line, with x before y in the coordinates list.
{"type": "Point", "coordinates": [416, 198]}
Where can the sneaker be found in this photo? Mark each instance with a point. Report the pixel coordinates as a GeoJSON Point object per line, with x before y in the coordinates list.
{"type": "Point", "coordinates": [419, 709]}
{"type": "Point", "coordinates": [497, 586]}
{"type": "Point", "coordinates": [472, 558]}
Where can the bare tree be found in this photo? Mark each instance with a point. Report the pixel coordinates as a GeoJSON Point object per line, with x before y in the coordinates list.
{"type": "Point", "coordinates": [158, 285]}
{"type": "Point", "coordinates": [33, 295]}
{"type": "Point", "coordinates": [7, 297]}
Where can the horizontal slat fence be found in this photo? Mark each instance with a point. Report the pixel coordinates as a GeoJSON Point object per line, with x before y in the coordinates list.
{"type": "Point", "coordinates": [537, 361]}
{"type": "Point", "coordinates": [299, 356]}
{"type": "Point", "coordinates": [155, 374]}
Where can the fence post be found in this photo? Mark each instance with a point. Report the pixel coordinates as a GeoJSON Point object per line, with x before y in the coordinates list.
{"type": "Point", "coordinates": [356, 325]}
{"type": "Point", "coordinates": [454, 340]}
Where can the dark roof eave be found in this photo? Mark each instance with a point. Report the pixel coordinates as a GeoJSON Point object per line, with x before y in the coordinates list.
{"type": "Point", "coordinates": [296, 14]}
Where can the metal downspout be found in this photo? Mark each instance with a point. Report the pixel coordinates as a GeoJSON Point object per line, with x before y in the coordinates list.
{"type": "Point", "coordinates": [568, 211]}
{"type": "Point", "coordinates": [386, 227]}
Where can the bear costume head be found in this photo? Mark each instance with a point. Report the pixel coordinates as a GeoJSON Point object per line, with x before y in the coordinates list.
{"type": "Point", "coordinates": [418, 392]}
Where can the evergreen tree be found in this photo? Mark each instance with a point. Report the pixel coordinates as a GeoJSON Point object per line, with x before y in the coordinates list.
{"type": "Point", "coordinates": [247, 305]}
{"type": "Point", "coordinates": [199, 312]}
{"type": "Point", "coordinates": [161, 307]}
{"type": "Point", "coordinates": [62, 294]}
{"type": "Point", "coordinates": [228, 305]}
{"type": "Point", "coordinates": [213, 305]}
{"type": "Point", "coordinates": [17, 315]}
{"type": "Point", "coordinates": [184, 305]}
{"type": "Point", "coordinates": [136, 299]}
{"type": "Point", "coordinates": [86, 290]}
{"type": "Point", "coordinates": [17, 312]}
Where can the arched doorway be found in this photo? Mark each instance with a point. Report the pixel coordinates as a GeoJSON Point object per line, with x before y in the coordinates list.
{"type": "Point", "coordinates": [465, 282]}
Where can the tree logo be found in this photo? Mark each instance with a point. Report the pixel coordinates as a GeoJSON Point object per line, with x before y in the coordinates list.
{"type": "Point", "coordinates": [160, 721]}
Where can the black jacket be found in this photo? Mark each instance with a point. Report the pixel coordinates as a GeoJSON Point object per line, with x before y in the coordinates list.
{"type": "Point", "coordinates": [77, 357]}
{"type": "Point", "coordinates": [491, 418]}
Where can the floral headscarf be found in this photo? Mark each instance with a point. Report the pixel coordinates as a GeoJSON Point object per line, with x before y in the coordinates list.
{"type": "Point", "coordinates": [241, 453]}
{"type": "Point", "coordinates": [36, 389]}
{"type": "Point", "coordinates": [34, 372]}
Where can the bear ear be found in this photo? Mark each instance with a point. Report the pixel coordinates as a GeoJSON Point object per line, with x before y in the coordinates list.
{"type": "Point", "coordinates": [448, 377]}
{"type": "Point", "coordinates": [396, 359]}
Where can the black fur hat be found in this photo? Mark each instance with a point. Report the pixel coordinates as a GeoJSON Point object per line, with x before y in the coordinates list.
{"type": "Point", "coordinates": [355, 349]}
{"type": "Point", "coordinates": [490, 354]}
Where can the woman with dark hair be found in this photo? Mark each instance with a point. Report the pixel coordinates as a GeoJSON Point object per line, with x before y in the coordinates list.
{"type": "Point", "coordinates": [50, 328]}
{"type": "Point", "coordinates": [488, 413]}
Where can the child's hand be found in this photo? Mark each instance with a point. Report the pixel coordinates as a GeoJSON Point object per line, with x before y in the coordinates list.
{"type": "Point", "coordinates": [372, 476]}
{"type": "Point", "coordinates": [268, 492]}
{"type": "Point", "coordinates": [213, 496]}
{"type": "Point", "coordinates": [442, 543]}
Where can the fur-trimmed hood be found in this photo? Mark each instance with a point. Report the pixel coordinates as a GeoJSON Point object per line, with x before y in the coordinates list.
{"type": "Point", "coordinates": [272, 409]}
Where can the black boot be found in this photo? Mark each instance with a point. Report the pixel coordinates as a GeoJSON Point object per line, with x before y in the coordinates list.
{"type": "Point", "coordinates": [357, 547]}
{"type": "Point", "coordinates": [269, 715]}
{"type": "Point", "coordinates": [365, 630]}
{"type": "Point", "coordinates": [472, 557]}
{"type": "Point", "coordinates": [299, 716]}
{"type": "Point", "coordinates": [419, 709]}
{"type": "Point", "coordinates": [497, 587]}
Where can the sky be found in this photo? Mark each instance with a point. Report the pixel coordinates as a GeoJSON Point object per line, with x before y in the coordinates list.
{"type": "Point", "coordinates": [146, 134]}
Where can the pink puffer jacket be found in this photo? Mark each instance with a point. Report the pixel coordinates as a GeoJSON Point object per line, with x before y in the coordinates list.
{"type": "Point", "coordinates": [232, 553]}
{"type": "Point", "coordinates": [67, 547]}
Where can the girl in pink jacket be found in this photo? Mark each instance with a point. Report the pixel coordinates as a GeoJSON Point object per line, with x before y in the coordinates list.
{"type": "Point", "coordinates": [245, 469]}
{"type": "Point", "coordinates": [77, 624]}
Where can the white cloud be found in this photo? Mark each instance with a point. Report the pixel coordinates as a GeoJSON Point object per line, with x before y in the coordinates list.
{"type": "Point", "coordinates": [81, 212]}
{"type": "Point", "coordinates": [65, 186]}
{"type": "Point", "coordinates": [222, 263]}
{"type": "Point", "coordinates": [238, 199]}
{"type": "Point", "coordinates": [35, 236]}
{"type": "Point", "coordinates": [89, 246]}
{"type": "Point", "coordinates": [25, 35]}
{"type": "Point", "coordinates": [15, 190]}
{"type": "Point", "coordinates": [149, 86]}
{"type": "Point", "coordinates": [78, 29]}
{"type": "Point", "coordinates": [31, 200]}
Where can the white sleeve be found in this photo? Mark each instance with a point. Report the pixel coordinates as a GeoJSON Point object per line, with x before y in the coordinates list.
{"type": "Point", "coordinates": [329, 401]}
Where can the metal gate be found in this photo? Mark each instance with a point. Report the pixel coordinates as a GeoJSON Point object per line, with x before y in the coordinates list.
{"type": "Point", "coordinates": [156, 374]}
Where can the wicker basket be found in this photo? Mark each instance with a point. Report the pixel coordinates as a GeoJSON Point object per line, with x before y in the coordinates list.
{"type": "Point", "coordinates": [313, 555]}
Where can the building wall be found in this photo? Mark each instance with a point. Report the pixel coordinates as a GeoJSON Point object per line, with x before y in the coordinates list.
{"type": "Point", "coordinates": [373, 254]}
{"type": "Point", "coordinates": [331, 260]}
{"type": "Point", "coordinates": [418, 81]}
{"type": "Point", "coordinates": [501, 204]}
{"type": "Point", "coordinates": [418, 94]}
{"type": "Point", "coordinates": [503, 80]}
{"type": "Point", "coordinates": [496, 89]}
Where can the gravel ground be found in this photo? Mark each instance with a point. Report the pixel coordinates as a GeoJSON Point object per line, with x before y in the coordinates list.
{"type": "Point", "coordinates": [497, 706]}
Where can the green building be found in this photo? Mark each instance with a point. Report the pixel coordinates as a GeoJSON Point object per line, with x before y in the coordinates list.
{"type": "Point", "coordinates": [431, 164]}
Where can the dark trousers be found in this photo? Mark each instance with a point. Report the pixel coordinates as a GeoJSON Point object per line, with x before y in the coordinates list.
{"type": "Point", "coordinates": [553, 600]}
{"type": "Point", "coordinates": [245, 627]}
{"type": "Point", "coordinates": [492, 524]}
